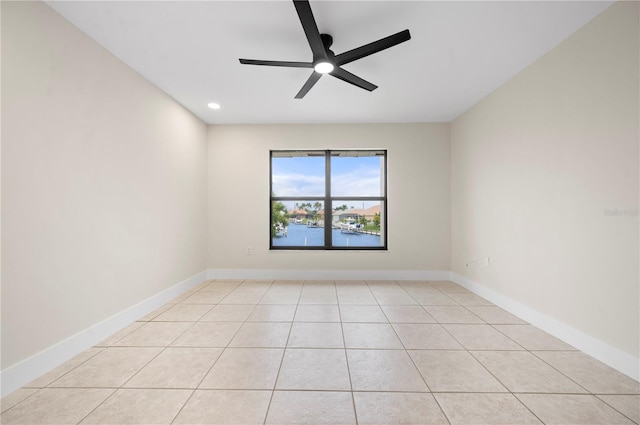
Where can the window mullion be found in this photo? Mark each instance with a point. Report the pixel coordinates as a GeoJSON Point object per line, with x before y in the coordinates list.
{"type": "Point", "coordinates": [328, 219]}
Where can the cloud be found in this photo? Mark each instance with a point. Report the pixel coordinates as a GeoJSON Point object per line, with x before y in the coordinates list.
{"type": "Point", "coordinates": [358, 182]}
{"type": "Point", "coordinates": [297, 185]}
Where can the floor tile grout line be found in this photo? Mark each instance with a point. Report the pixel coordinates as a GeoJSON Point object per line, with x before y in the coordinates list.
{"type": "Point", "coordinates": [414, 299]}
{"type": "Point", "coordinates": [142, 323]}
{"type": "Point", "coordinates": [140, 369]}
{"type": "Point", "coordinates": [577, 394]}
{"type": "Point", "coordinates": [453, 336]}
{"type": "Point", "coordinates": [346, 356]}
{"type": "Point", "coordinates": [481, 363]}
{"type": "Point", "coordinates": [458, 322]}
{"type": "Point", "coordinates": [36, 391]}
{"type": "Point", "coordinates": [494, 327]}
{"type": "Point", "coordinates": [490, 372]}
{"type": "Point", "coordinates": [514, 395]}
{"type": "Point", "coordinates": [414, 364]}
{"type": "Point", "coordinates": [331, 348]}
{"type": "Point", "coordinates": [211, 306]}
{"type": "Point", "coordinates": [115, 390]}
{"type": "Point", "coordinates": [441, 408]}
{"type": "Point", "coordinates": [193, 391]}
{"type": "Point", "coordinates": [617, 410]}
{"type": "Point", "coordinates": [204, 376]}
{"type": "Point", "coordinates": [473, 314]}
{"type": "Point", "coordinates": [441, 292]}
{"type": "Point", "coordinates": [243, 322]}
{"type": "Point", "coordinates": [70, 370]}
{"type": "Point", "coordinates": [406, 351]}
{"type": "Point", "coordinates": [468, 352]}
{"type": "Point", "coordinates": [284, 353]}
{"type": "Point", "coordinates": [164, 348]}
{"type": "Point", "coordinates": [334, 293]}
{"type": "Point", "coordinates": [533, 353]}
{"type": "Point", "coordinates": [418, 369]}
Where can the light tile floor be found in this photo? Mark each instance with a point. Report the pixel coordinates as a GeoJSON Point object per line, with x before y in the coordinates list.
{"type": "Point", "coordinates": [325, 352]}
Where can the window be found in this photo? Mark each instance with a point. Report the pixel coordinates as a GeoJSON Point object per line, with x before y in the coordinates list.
{"type": "Point", "coordinates": [333, 199]}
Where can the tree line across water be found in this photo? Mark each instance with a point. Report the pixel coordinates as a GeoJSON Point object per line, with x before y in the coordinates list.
{"type": "Point", "coordinates": [280, 215]}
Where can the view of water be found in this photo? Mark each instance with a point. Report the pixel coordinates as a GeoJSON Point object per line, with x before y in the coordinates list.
{"type": "Point", "coordinates": [297, 234]}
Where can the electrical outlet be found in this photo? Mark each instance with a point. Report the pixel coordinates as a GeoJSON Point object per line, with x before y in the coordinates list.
{"type": "Point", "coordinates": [249, 251]}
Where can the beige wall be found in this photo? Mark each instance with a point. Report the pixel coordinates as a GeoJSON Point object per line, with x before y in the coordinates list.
{"type": "Point", "coordinates": [418, 183]}
{"type": "Point", "coordinates": [103, 184]}
{"type": "Point", "coordinates": [537, 165]}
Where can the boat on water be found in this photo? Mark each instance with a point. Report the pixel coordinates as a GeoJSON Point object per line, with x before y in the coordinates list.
{"type": "Point", "coordinates": [281, 230]}
{"type": "Point", "coordinates": [313, 224]}
{"type": "Point", "coordinates": [350, 228]}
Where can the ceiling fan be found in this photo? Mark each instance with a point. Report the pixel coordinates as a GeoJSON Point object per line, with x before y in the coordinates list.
{"type": "Point", "coordinates": [324, 60]}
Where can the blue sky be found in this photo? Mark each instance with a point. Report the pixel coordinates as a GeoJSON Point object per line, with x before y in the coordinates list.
{"type": "Point", "coordinates": [304, 176]}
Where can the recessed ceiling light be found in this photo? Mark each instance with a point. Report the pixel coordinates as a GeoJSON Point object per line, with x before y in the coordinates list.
{"type": "Point", "coordinates": [213, 105]}
{"type": "Point", "coordinates": [323, 67]}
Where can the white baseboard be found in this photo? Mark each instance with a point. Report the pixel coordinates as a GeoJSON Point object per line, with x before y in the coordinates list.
{"type": "Point", "coordinates": [37, 365]}
{"type": "Point", "coordinates": [304, 274]}
{"type": "Point", "coordinates": [607, 354]}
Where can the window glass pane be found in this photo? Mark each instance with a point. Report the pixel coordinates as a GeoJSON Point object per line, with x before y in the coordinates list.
{"type": "Point", "coordinates": [353, 188]}
{"type": "Point", "coordinates": [358, 224]}
{"type": "Point", "coordinates": [357, 173]}
{"type": "Point", "coordinates": [298, 173]}
{"type": "Point", "coordinates": [297, 223]}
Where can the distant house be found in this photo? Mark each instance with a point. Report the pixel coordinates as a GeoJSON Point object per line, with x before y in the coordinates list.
{"type": "Point", "coordinates": [355, 214]}
{"type": "Point", "coordinates": [298, 214]}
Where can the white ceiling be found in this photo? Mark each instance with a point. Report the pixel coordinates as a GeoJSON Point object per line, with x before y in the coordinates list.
{"type": "Point", "coordinates": [459, 53]}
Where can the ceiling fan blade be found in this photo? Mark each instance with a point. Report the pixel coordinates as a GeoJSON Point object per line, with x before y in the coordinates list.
{"type": "Point", "coordinates": [310, 29]}
{"type": "Point", "coordinates": [371, 48]}
{"type": "Point", "coordinates": [352, 79]}
{"type": "Point", "coordinates": [276, 63]}
{"type": "Point", "coordinates": [313, 79]}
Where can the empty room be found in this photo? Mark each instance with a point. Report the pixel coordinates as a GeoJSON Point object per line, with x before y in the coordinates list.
{"type": "Point", "coordinates": [199, 226]}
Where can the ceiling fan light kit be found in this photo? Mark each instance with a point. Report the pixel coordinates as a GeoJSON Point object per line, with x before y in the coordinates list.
{"type": "Point", "coordinates": [323, 67]}
{"type": "Point", "coordinates": [324, 60]}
